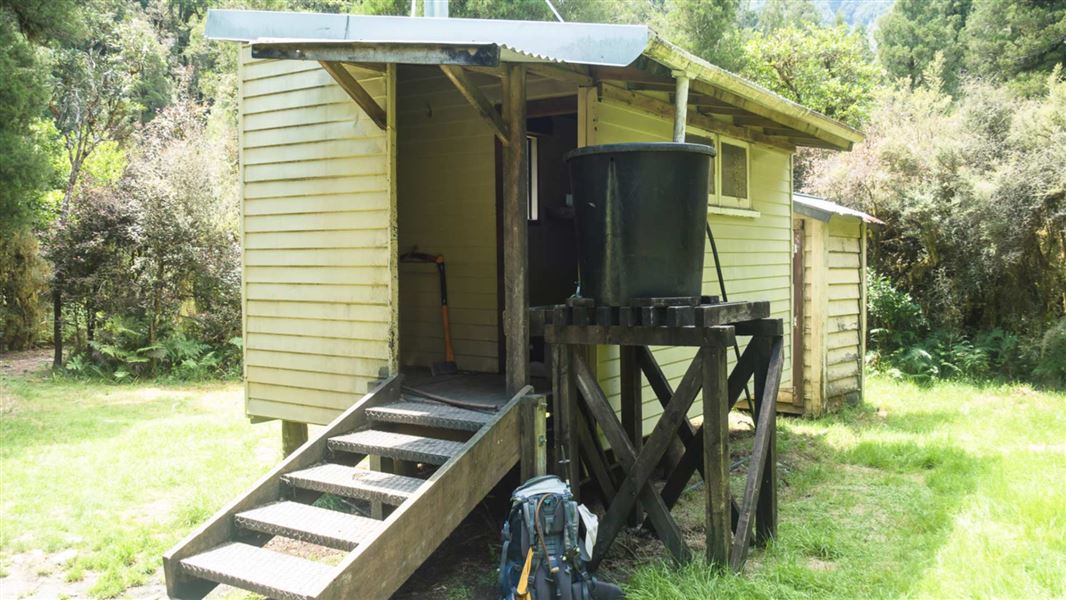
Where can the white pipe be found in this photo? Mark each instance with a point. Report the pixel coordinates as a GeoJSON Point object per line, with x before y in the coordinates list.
{"type": "Point", "coordinates": [680, 106]}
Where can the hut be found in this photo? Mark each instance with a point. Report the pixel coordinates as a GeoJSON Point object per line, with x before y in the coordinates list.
{"type": "Point", "coordinates": [829, 283]}
{"type": "Point", "coordinates": [378, 154]}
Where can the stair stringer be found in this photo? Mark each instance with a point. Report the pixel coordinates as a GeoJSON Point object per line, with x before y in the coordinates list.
{"type": "Point", "coordinates": [378, 567]}
{"type": "Point", "coordinates": [220, 528]}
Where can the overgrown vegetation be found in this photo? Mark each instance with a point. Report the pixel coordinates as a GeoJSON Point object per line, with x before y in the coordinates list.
{"type": "Point", "coordinates": [974, 199]}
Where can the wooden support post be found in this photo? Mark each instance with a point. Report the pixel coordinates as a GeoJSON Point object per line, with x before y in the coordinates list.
{"type": "Point", "coordinates": [565, 456]}
{"type": "Point", "coordinates": [534, 461]}
{"type": "Point", "coordinates": [680, 105]}
{"type": "Point", "coordinates": [515, 231]}
{"type": "Point", "coordinates": [632, 411]}
{"type": "Point", "coordinates": [293, 435]}
{"type": "Point", "coordinates": [604, 415]}
{"type": "Point", "coordinates": [766, 510]}
{"type": "Point", "coordinates": [716, 454]}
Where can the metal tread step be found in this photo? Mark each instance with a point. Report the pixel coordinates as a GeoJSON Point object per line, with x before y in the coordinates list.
{"type": "Point", "coordinates": [429, 414]}
{"type": "Point", "coordinates": [259, 570]}
{"type": "Point", "coordinates": [352, 482]}
{"type": "Point", "coordinates": [308, 523]}
{"type": "Point", "coordinates": [400, 446]}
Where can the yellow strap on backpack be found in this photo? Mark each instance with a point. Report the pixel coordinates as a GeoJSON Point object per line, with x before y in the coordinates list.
{"type": "Point", "coordinates": [521, 592]}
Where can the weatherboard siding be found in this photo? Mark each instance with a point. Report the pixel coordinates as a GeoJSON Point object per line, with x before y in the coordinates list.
{"type": "Point", "coordinates": [755, 251]}
{"type": "Point", "coordinates": [318, 231]}
{"type": "Point", "coordinates": [844, 308]}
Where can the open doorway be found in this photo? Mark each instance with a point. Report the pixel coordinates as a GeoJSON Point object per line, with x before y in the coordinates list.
{"type": "Point", "coordinates": [551, 132]}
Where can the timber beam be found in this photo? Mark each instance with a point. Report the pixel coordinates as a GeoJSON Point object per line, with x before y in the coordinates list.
{"type": "Point", "coordinates": [477, 99]}
{"type": "Point", "coordinates": [696, 119]}
{"type": "Point", "coordinates": [480, 55]}
{"type": "Point", "coordinates": [356, 92]}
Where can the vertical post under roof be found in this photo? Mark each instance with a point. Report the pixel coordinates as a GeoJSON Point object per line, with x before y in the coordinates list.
{"type": "Point", "coordinates": [515, 231]}
{"type": "Point", "coordinates": [680, 105]}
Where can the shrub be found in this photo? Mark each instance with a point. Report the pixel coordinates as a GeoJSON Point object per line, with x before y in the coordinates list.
{"type": "Point", "coordinates": [1051, 368]}
{"type": "Point", "coordinates": [895, 318]}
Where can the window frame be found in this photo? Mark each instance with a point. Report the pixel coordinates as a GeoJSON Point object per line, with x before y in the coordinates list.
{"type": "Point", "coordinates": [532, 186]}
{"type": "Point", "coordinates": [725, 201]}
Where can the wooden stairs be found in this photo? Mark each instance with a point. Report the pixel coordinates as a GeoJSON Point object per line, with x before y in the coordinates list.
{"type": "Point", "coordinates": [465, 453]}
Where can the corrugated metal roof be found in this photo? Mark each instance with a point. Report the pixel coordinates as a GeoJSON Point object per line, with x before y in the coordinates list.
{"type": "Point", "coordinates": [537, 41]}
{"type": "Point", "coordinates": [822, 209]}
{"type": "Point", "coordinates": [522, 41]}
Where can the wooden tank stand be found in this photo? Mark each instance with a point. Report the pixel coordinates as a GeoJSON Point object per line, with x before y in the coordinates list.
{"type": "Point", "coordinates": [581, 411]}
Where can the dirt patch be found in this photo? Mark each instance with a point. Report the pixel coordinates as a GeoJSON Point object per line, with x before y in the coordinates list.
{"type": "Point", "coordinates": [36, 574]}
{"type": "Point", "coordinates": [25, 362]}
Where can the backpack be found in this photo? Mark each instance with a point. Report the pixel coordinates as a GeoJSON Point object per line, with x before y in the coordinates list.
{"type": "Point", "coordinates": [542, 557]}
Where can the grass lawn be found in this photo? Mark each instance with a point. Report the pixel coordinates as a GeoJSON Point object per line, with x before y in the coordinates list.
{"type": "Point", "coordinates": [108, 476]}
{"type": "Point", "coordinates": [949, 491]}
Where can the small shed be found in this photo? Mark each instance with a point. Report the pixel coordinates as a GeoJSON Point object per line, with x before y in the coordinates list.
{"type": "Point", "coordinates": [829, 302]}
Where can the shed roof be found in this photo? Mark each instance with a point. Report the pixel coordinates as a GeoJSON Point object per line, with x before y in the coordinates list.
{"type": "Point", "coordinates": [823, 210]}
{"type": "Point", "coordinates": [483, 42]}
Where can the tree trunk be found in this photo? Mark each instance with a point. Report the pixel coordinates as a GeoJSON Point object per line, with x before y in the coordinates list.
{"type": "Point", "coordinates": [57, 325]}
{"type": "Point", "coordinates": [90, 323]}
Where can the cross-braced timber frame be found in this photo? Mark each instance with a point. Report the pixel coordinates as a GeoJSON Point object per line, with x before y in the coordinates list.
{"type": "Point", "coordinates": [581, 412]}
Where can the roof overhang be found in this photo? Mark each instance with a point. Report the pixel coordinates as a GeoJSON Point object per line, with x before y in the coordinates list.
{"type": "Point", "coordinates": [519, 41]}
{"type": "Point", "coordinates": [824, 210]}
{"type": "Point", "coordinates": [487, 43]}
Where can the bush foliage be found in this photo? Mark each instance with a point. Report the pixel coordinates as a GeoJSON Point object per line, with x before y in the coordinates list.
{"type": "Point", "coordinates": [973, 193]}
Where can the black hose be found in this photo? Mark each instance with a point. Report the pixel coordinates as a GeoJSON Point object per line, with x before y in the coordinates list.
{"type": "Point", "coordinates": [725, 297]}
{"type": "Point", "coordinates": [445, 400]}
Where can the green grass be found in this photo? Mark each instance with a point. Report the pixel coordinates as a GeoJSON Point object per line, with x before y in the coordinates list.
{"type": "Point", "coordinates": [120, 472]}
{"type": "Point", "coordinates": [947, 491]}
{"type": "Point", "coordinates": [952, 490]}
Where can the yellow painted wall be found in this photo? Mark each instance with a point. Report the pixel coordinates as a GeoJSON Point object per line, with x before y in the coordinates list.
{"type": "Point", "coordinates": [318, 231]}
{"type": "Point", "coordinates": [755, 250]}
{"type": "Point", "coordinates": [844, 309]}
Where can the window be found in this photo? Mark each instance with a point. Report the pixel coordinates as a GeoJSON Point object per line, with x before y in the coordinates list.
{"type": "Point", "coordinates": [733, 164]}
{"type": "Point", "coordinates": [727, 181]}
{"type": "Point", "coordinates": [532, 198]}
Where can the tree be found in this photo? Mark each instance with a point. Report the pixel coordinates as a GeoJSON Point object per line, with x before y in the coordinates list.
{"type": "Point", "coordinates": [1017, 41]}
{"type": "Point", "coordinates": [828, 69]}
{"type": "Point", "coordinates": [24, 166]}
{"type": "Point", "coordinates": [973, 194]}
{"type": "Point", "coordinates": [776, 14]}
{"type": "Point", "coordinates": [100, 91]}
{"type": "Point", "coordinates": [26, 171]}
{"type": "Point", "coordinates": [707, 28]}
{"type": "Point", "coordinates": [914, 31]}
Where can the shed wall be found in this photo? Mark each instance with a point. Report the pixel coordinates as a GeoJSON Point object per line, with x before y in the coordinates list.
{"type": "Point", "coordinates": [318, 232]}
{"type": "Point", "coordinates": [844, 309]}
{"type": "Point", "coordinates": [834, 314]}
{"type": "Point", "coordinates": [755, 250]}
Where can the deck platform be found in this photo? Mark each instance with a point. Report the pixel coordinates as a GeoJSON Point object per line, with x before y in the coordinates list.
{"type": "Point", "coordinates": [582, 412]}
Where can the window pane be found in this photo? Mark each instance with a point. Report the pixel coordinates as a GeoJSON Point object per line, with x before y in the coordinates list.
{"type": "Point", "coordinates": [734, 171]}
{"type": "Point", "coordinates": [695, 139]}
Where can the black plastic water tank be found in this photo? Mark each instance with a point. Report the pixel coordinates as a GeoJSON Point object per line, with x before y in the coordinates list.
{"type": "Point", "coordinates": [641, 210]}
